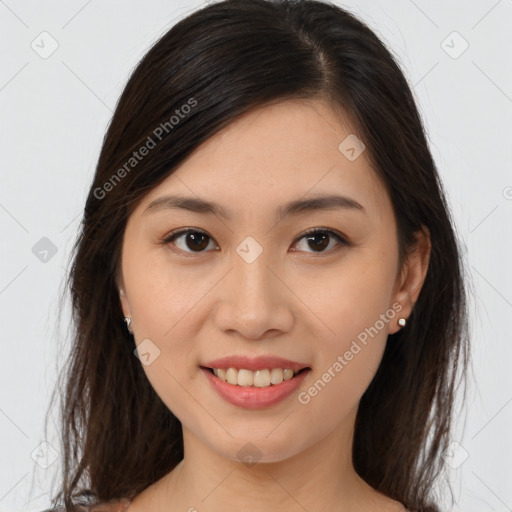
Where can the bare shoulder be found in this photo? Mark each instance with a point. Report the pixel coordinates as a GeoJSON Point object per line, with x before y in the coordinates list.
{"type": "Point", "coordinates": [112, 506]}
{"type": "Point", "coordinates": [386, 504]}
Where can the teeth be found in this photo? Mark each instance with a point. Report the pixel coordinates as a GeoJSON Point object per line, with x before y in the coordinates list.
{"type": "Point", "coordinates": [258, 378]}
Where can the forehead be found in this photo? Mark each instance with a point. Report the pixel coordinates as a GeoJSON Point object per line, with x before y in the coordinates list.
{"type": "Point", "coordinates": [275, 154]}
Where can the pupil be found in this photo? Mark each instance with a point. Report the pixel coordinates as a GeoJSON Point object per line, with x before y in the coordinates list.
{"type": "Point", "coordinates": [324, 236]}
{"type": "Point", "coordinates": [196, 238]}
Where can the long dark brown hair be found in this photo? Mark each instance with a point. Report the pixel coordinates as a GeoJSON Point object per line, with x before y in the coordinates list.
{"type": "Point", "coordinates": [118, 437]}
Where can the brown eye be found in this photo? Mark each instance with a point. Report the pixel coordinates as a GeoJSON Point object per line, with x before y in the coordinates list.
{"type": "Point", "coordinates": [318, 239]}
{"type": "Point", "coordinates": [190, 240]}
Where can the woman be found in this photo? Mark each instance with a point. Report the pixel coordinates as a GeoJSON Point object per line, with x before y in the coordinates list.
{"type": "Point", "coordinates": [267, 289]}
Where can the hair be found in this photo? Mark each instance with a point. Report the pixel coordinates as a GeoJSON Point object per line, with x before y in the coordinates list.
{"type": "Point", "coordinates": [213, 66]}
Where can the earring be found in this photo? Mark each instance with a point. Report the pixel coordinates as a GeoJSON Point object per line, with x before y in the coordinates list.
{"type": "Point", "coordinates": [128, 321]}
{"type": "Point", "coordinates": [402, 322]}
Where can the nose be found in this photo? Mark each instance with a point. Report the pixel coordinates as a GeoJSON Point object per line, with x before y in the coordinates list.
{"type": "Point", "coordinates": [255, 301]}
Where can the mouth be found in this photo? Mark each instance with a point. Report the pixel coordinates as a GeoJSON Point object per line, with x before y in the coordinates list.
{"type": "Point", "coordinates": [263, 378]}
{"type": "Point", "coordinates": [258, 388]}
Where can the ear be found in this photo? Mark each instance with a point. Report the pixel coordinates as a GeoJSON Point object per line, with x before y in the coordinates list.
{"type": "Point", "coordinates": [125, 306]}
{"type": "Point", "coordinates": [412, 276]}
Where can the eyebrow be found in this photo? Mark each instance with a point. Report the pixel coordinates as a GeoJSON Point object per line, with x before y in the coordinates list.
{"type": "Point", "coordinates": [296, 207]}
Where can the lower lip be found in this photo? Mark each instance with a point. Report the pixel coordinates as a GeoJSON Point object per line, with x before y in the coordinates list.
{"type": "Point", "coordinates": [253, 397]}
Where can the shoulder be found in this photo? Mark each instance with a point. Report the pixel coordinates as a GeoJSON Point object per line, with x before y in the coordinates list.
{"type": "Point", "coordinates": [111, 506]}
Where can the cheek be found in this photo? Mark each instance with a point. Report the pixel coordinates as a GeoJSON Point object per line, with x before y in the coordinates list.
{"type": "Point", "coordinates": [345, 366]}
{"type": "Point", "coordinates": [162, 306]}
{"type": "Point", "coordinates": [161, 294]}
{"type": "Point", "coordinates": [355, 307]}
{"type": "Point", "coordinates": [166, 303]}
{"type": "Point", "coordinates": [354, 297]}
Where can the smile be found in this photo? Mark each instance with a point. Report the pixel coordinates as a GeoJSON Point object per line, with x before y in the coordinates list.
{"type": "Point", "coordinates": [259, 378]}
{"type": "Point", "coordinates": [251, 396]}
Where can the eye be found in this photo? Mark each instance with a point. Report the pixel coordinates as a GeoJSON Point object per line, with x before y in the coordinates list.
{"type": "Point", "coordinates": [318, 239]}
{"type": "Point", "coordinates": [193, 239]}
{"type": "Point", "coordinates": [196, 241]}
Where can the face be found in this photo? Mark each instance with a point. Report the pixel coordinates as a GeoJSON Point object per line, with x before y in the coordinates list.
{"type": "Point", "coordinates": [248, 280]}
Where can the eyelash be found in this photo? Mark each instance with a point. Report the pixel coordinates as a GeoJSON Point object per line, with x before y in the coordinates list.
{"type": "Point", "coordinates": [176, 234]}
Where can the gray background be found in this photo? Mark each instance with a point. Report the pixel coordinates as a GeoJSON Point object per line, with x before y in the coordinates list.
{"type": "Point", "coordinates": [55, 110]}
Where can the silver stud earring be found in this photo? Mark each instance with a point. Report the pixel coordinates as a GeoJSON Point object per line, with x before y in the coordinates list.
{"type": "Point", "coordinates": [402, 322]}
{"type": "Point", "coordinates": [128, 321]}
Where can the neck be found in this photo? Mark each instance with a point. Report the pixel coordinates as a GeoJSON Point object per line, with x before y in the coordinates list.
{"type": "Point", "coordinates": [319, 477]}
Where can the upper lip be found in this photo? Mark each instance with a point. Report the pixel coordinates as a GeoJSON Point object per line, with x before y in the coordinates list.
{"type": "Point", "coordinates": [255, 363]}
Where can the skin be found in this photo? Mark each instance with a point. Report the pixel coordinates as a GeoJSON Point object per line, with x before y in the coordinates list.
{"type": "Point", "coordinates": [297, 300]}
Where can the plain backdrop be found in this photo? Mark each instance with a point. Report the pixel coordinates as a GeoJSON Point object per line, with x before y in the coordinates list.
{"type": "Point", "coordinates": [63, 67]}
